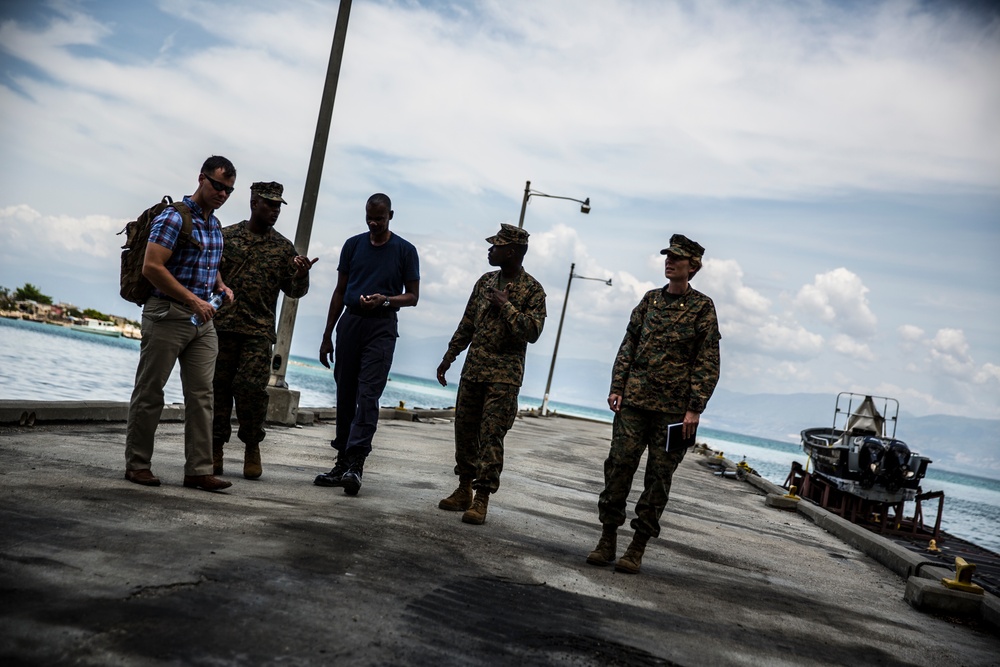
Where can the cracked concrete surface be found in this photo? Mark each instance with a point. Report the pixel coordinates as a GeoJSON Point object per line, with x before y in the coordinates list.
{"type": "Point", "coordinates": [97, 571]}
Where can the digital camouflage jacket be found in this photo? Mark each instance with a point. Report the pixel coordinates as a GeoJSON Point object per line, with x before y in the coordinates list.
{"type": "Point", "coordinates": [497, 337]}
{"type": "Point", "coordinates": [256, 267]}
{"type": "Point", "coordinates": [669, 358]}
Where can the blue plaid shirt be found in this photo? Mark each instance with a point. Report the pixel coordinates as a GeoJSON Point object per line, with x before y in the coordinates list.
{"type": "Point", "coordinates": [194, 269]}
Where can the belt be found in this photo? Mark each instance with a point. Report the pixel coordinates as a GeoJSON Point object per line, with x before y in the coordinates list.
{"type": "Point", "coordinates": [380, 313]}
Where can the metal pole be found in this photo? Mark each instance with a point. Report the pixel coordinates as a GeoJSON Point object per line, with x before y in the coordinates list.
{"type": "Point", "coordinates": [289, 306]}
{"type": "Point", "coordinates": [524, 203]}
{"type": "Point", "coordinates": [555, 350]}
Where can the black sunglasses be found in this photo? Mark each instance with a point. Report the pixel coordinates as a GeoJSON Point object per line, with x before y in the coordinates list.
{"type": "Point", "coordinates": [219, 187]}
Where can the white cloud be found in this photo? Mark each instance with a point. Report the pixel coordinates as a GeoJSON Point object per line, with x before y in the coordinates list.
{"type": "Point", "coordinates": [848, 347]}
{"type": "Point", "coordinates": [745, 318]}
{"type": "Point", "coordinates": [793, 341]}
{"type": "Point", "coordinates": [684, 108]}
{"type": "Point", "coordinates": [27, 233]}
{"type": "Point", "coordinates": [723, 279]}
{"type": "Point", "coordinates": [951, 342]}
{"type": "Point", "coordinates": [743, 100]}
{"type": "Point", "coordinates": [838, 299]}
{"type": "Point", "coordinates": [910, 334]}
{"type": "Point", "coordinates": [988, 374]}
{"type": "Point", "coordinates": [950, 353]}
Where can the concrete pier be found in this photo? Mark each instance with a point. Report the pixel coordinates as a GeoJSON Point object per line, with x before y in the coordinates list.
{"type": "Point", "coordinates": [95, 570]}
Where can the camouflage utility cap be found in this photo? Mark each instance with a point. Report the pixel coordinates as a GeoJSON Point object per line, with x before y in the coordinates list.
{"type": "Point", "coordinates": [682, 246]}
{"type": "Point", "coordinates": [270, 190]}
{"type": "Point", "coordinates": [509, 234]}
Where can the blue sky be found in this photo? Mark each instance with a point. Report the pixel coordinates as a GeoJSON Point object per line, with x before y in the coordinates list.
{"type": "Point", "coordinates": [839, 161]}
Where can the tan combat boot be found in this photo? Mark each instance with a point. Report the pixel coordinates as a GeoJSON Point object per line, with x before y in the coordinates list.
{"type": "Point", "coordinates": [460, 500]}
{"type": "Point", "coordinates": [217, 458]}
{"type": "Point", "coordinates": [251, 462]}
{"type": "Point", "coordinates": [604, 552]}
{"type": "Point", "coordinates": [477, 513]}
{"type": "Point", "coordinates": [630, 562]}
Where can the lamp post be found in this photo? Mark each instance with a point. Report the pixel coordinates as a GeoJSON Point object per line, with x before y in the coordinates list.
{"type": "Point", "coordinates": [307, 211]}
{"type": "Point", "coordinates": [562, 316]}
{"type": "Point", "coordinates": [529, 193]}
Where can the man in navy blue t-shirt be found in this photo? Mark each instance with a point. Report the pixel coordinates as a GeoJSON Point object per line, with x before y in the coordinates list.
{"type": "Point", "coordinates": [378, 274]}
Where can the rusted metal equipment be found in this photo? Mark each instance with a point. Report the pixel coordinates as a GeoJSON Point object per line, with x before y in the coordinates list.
{"type": "Point", "coordinates": [886, 518]}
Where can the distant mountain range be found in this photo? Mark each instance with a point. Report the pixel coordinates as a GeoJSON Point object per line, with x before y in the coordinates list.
{"type": "Point", "coordinates": [960, 444]}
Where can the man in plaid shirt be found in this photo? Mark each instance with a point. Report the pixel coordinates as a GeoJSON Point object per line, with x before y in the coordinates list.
{"type": "Point", "coordinates": [184, 276]}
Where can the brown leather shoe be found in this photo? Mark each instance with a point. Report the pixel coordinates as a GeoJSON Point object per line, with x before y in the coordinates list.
{"type": "Point", "coordinates": [144, 477]}
{"type": "Point", "coordinates": [206, 482]}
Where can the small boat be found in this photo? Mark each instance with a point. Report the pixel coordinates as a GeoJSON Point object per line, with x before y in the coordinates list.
{"type": "Point", "coordinates": [99, 327]}
{"type": "Point", "coordinates": [860, 455]}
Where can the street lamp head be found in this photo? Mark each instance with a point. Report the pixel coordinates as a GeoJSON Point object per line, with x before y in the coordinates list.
{"type": "Point", "coordinates": [585, 207]}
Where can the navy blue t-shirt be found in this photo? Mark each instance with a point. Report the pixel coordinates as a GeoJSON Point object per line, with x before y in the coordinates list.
{"type": "Point", "coordinates": [377, 269]}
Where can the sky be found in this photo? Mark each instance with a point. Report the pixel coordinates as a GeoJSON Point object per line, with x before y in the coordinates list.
{"type": "Point", "coordinates": [839, 161]}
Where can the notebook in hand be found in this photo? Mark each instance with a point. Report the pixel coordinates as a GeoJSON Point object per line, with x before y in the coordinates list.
{"type": "Point", "coordinates": [676, 439]}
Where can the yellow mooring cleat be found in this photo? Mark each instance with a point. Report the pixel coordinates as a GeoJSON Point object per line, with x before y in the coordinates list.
{"type": "Point", "coordinates": [963, 578]}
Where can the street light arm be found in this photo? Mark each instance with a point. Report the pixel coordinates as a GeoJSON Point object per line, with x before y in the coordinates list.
{"type": "Point", "coordinates": [529, 193]}
{"type": "Point", "coordinates": [536, 193]}
{"type": "Point", "coordinates": [606, 281]}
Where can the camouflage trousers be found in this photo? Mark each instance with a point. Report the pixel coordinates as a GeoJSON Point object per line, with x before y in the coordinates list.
{"type": "Point", "coordinates": [634, 432]}
{"type": "Point", "coordinates": [484, 412]}
{"type": "Point", "coordinates": [242, 371]}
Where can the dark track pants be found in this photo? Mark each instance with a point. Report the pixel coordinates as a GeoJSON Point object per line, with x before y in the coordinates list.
{"type": "Point", "coordinates": [362, 358]}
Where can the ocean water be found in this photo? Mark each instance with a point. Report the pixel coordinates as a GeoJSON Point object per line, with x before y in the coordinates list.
{"type": "Point", "coordinates": [48, 362]}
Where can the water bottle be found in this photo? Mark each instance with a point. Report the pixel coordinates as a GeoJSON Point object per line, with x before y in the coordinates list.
{"type": "Point", "coordinates": [215, 301]}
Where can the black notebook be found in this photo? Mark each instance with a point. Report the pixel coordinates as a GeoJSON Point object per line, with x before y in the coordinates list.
{"type": "Point", "coordinates": [676, 439]}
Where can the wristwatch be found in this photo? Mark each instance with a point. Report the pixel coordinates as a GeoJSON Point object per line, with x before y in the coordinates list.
{"type": "Point", "coordinates": [385, 304]}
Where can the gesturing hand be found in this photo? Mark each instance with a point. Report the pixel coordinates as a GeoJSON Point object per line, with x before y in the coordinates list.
{"type": "Point", "coordinates": [302, 265]}
{"type": "Point", "coordinates": [497, 297]}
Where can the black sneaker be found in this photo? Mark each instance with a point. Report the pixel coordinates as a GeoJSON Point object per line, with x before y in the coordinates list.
{"type": "Point", "coordinates": [351, 479]}
{"type": "Point", "coordinates": [335, 477]}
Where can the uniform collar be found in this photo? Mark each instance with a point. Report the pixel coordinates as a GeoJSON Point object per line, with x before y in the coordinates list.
{"type": "Point", "coordinates": [245, 230]}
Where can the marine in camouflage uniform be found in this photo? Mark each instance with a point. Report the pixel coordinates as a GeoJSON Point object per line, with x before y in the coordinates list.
{"type": "Point", "coordinates": [665, 372]}
{"type": "Point", "coordinates": [257, 263]}
{"type": "Point", "coordinates": [505, 312]}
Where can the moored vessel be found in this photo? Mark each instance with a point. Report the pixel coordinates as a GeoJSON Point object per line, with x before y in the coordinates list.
{"type": "Point", "coordinates": [860, 454]}
{"type": "Point", "coordinates": [99, 327]}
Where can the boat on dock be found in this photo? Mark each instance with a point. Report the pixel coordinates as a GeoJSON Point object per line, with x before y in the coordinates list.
{"type": "Point", "coordinates": [860, 454]}
{"type": "Point", "coordinates": [860, 471]}
{"type": "Point", "coordinates": [99, 327]}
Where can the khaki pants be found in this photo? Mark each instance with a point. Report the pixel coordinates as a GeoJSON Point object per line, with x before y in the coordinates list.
{"type": "Point", "coordinates": [169, 336]}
